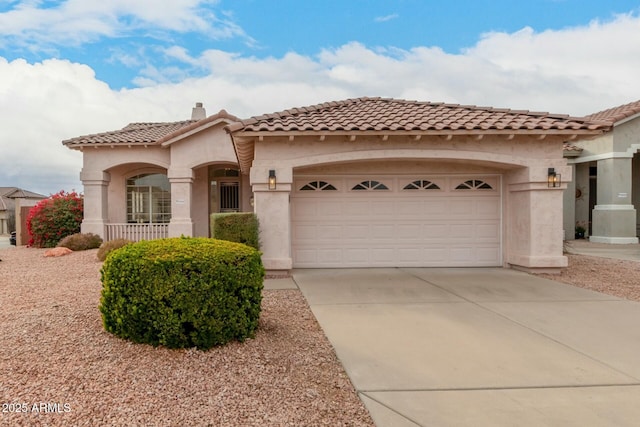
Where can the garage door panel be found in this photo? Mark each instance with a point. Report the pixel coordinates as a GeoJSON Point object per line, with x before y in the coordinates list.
{"type": "Point", "coordinates": [488, 254]}
{"type": "Point", "coordinates": [329, 209]}
{"type": "Point", "coordinates": [409, 232]}
{"type": "Point", "coordinates": [328, 256]}
{"type": "Point", "coordinates": [381, 255]}
{"type": "Point", "coordinates": [486, 232]}
{"type": "Point", "coordinates": [411, 255]}
{"type": "Point", "coordinates": [413, 208]}
{"type": "Point", "coordinates": [305, 232]}
{"type": "Point", "coordinates": [487, 207]}
{"type": "Point", "coordinates": [381, 209]}
{"type": "Point", "coordinates": [435, 230]}
{"type": "Point", "coordinates": [355, 231]}
{"type": "Point", "coordinates": [355, 208]}
{"type": "Point", "coordinates": [328, 232]}
{"type": "Point", "coordinates": [396, 227]}
{"type": "Point", "coordinates": [356, 256]}
{"type": "Point", "coordinates": [386, 232]}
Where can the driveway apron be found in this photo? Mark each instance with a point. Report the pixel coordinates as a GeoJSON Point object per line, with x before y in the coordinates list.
{"type": "Point", "coordinates": [479, 346]}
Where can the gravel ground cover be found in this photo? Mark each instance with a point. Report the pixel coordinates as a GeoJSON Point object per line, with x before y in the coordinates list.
{"type": "Point", "coordinates": [58, 366]}
{"type": "Point", "coordinates": [615, 277]}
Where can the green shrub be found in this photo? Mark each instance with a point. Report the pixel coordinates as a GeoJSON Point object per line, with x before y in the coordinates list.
{"type": "Point", "coordinates": [236, 227]}
{"type": "Point", "coordinates": [107, 247]}
{"type": "Point", "coordinates": [182, 292]}
{"type": "Point", "coordinates": [54, 218]}
{"type": "Point", "coordinates": [81, 241]}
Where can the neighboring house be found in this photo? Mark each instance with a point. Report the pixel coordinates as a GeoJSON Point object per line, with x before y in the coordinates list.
{"type": "Point", "coordinates": [605, 194]}
{"type": "Point", "coordinates": [8, 197]}
{"type": "Point", "coordinates": [15, 204]}
{"type": "Point", "coordinates": [366, 182]}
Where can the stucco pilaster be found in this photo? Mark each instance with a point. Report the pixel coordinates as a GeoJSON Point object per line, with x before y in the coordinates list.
{"type": "Point", "coordinates": [181, 223]}
{"type": "Point", "coordinates": [96, 206]}
{"type": "Point", "coordinates": [535, 227]}
{"type": "Point", "coordinates": [272, 209]}
{"type": "Point", "coordinates": [614, 216]}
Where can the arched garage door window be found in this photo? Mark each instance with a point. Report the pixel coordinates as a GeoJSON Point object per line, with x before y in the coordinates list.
{"type": "Point", "coordinates": [149, 199]}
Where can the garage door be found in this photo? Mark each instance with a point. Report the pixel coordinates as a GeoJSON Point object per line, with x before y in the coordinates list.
{"type": "Point", "coordinates": [395, 221]}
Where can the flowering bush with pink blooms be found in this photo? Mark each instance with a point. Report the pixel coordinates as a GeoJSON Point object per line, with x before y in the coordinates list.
{"type": "Point", "coordinates": [54, 218]}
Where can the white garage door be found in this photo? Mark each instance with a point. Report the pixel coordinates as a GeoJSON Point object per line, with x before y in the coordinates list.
{"type": "Point", "coordinates": [395, 221]}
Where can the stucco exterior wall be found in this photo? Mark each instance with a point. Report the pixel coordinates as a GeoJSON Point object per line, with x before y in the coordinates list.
{"type": "Point", "coordinates": [212, 145]}
{"type": "Point", "coordinates": [185, 161]}
{"type": "Point", "coordinates": [532, 226]}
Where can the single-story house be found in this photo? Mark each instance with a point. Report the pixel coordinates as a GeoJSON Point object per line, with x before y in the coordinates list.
{"type": "Point", "coordinates": [11, 219]}
{"type": "Point", "coordinates": [365, 182]}
{"type": "Point", "coordinates": [604, 197]}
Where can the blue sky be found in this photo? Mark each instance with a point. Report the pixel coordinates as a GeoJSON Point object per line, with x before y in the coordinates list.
{"type": "Point", "coordinates": [73, 67]}
{"type": "Point", "coordinates": [272, 28]}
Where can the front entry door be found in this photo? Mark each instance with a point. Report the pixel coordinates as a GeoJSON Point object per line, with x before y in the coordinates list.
{"type": "Point", "coordinates": [229, 197]}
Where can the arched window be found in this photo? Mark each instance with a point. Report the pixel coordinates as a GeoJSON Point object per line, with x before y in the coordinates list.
{"type": "Point", "coordinates": [370, 185]}
{"type": "Point", "coordinates": [318, 186]}
{"type": "Point", "coordinates": [421, 184]}
{"type": "Point", "coordinates": [474, 184]}
{"type": "Point", "coordinates": [149, 199]}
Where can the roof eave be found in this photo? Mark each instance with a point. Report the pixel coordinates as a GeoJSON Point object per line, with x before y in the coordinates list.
{"type": "Point", "coordinates": [443, 132]}
{"type": "Point", "coordinates": [198, 127]}
{"type": "Point", "coordinates": [626, 119]}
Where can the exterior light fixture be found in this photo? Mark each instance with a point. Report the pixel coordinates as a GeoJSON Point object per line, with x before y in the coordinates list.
{"type": "Point", "coordinates": [272, 179]}
{"type": "Point", "coordinates": [553, 179]}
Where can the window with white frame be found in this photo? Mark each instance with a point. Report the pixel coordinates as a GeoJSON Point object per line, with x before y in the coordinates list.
{"type": "Point", "coordinates": [149, 199]}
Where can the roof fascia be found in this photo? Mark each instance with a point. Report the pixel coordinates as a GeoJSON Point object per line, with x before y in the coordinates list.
{"type": "Point", "coordinates": [626, 119]}
{"type": "Point", "coordinates": [198, 129]}
{"type": "Point", "coordinates": [533, 132]}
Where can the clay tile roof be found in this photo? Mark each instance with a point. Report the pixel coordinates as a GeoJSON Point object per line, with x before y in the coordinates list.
{"type": "Point", "coordinates": [616, 114]}
{"type": "Point", "coordinates": [567, 147]}
{"type": "Point", "coordinates": [133, 133]}
{"type": "Point", "coordinates": [384, 114]}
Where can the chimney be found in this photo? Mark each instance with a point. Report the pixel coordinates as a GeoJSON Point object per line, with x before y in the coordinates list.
{"type": "Point", "coordinates": [198, 112]}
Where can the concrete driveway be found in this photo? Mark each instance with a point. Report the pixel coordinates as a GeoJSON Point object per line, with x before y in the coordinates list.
{"type": "Point", "coordinates": [480, 347]}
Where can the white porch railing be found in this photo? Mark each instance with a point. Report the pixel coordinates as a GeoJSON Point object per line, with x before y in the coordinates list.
{"type": "Point", "coordinates": [137, 232]}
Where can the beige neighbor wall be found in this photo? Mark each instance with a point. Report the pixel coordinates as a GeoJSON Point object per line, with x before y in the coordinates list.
{"type": "Point", "coordinates": [615, 216]}
{"type": "Point", "coordinates": [532, 212]}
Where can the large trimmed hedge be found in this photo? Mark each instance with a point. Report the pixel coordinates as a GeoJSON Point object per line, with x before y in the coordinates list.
{"type": "Point", "coordinates": [240, 227]}
{"type": "Point", "coordinates": [182, 292]}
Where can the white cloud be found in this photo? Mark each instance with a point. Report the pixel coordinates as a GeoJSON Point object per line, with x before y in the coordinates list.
{"type": "Point", "coordinates": [576, 71]}
{"type": "Point", "coordinates": [386, 17]}
{"type": "Point", "coordinates": [74, 22]}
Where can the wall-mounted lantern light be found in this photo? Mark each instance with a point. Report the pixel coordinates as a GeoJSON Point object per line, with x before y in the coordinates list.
{"type": "Point", "coordinates": [553, 179]}
{"type": "Point", "coordinates": [272, 179]}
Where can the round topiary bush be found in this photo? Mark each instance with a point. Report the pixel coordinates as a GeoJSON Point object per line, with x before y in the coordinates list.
{"type": "Point", "coordinates": [106, 248]}
{"type": "Point", "coordinates": [182, 292]}
{"type": "Point", "coordinates": [81, 241]}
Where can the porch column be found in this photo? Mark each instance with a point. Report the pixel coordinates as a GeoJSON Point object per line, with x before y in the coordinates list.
{"type": "Point", "coordinates": [583, 195]}
{"type": "Point", "coordinates": [569, 206]}
{"type": "Point", "coordinates": [96, 202]}
{"type": "Point", "coordinates": [272, 209]}
{"type": "Point", "coordinates": [614, 217]}
{"type": "Point", "coordinates": [181, 223]}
